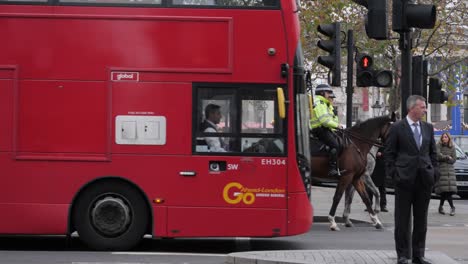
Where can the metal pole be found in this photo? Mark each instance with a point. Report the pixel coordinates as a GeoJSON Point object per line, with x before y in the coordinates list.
{"type": "Point", "coordinates": [349, 81]}
{"type": "Point", "coordinates": [406, 91]}
{"type": "Point", "coordinates": [406, 78]}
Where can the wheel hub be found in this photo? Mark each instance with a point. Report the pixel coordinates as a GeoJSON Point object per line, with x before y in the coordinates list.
{"type": "Point", "coordinates": [111, 216]}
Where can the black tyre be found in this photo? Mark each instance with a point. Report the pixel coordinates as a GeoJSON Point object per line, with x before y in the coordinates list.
{"type": "Point", "coordinates": [111, 215]}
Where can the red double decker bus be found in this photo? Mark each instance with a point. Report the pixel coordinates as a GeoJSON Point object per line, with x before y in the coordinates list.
{"type": "Point", "coordinates": [102, 112]}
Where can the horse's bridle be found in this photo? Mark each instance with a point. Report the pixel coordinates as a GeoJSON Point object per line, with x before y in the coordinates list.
{"type": "Point", "coordinates": [363, 139]}
{"type": "Point", "coordinates": [367, 140]}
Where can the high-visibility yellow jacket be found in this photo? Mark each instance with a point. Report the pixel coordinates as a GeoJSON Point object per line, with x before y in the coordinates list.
{"type": "Point", "coordinates": [323, 114]}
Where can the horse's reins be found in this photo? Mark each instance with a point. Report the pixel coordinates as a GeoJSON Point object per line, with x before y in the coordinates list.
{"type": "Point", "coordinates": [362, 139]}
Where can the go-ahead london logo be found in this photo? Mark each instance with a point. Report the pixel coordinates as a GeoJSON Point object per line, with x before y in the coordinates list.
{"type": "Point", "coordinates": [234, 193]}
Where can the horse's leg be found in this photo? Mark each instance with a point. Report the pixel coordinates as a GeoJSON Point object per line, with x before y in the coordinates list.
{"type": "Point", "coordinates": [376, 193]}
{"type": "Point", "coordinates": [368, 178]}
{"type": "Point", "coordinates": [345, 180]}
{"type": "Point", "coordinates": [349, 194]}
{"type": "Point", "coordinates": [369, 183]}
{"type": "Point", "coordinates": [361, 189]}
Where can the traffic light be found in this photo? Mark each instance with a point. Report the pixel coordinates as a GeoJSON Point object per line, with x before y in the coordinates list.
{"type": "Point", "coordinates": [408, 15]}
{"type": "Point", "coordinates": [366, 76]}
{"type": "Point", "coordinates": [333, 47]}
{"type": "Point", "coordinates": [436, 95]}
{"type": "Point", "coordinates": [364, 73]}
{"type": "Point", "coordinates": [376, 21]}
{"type": "Point", "coordinates": [419, 76]}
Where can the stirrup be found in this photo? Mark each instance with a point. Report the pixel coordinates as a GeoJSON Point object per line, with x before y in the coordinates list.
{"type": "Point", "coordinates": [334, 173]}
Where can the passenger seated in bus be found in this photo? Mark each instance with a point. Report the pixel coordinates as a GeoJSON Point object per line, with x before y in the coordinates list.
{"type": "Point", "coordinates": [209, 125]}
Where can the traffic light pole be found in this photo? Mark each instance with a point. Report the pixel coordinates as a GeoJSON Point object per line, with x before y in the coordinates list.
{"type": "Point", "coordinates": [349, 81]}
{"type": "Point", "coordinates": [405, 81]}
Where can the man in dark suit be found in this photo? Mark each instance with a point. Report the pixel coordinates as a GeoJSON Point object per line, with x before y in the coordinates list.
{"type": "Point", "coordinates": [410, 157]}
{"type": "Point", "coordinates": [378, 177]}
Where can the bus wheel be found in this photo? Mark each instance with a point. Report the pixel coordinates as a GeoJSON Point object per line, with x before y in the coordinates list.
{"type": "Point", "coordinates": [111, 216]}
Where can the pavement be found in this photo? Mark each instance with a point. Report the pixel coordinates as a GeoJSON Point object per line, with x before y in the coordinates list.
{"type": "Point", "coordinates": [321, 198]}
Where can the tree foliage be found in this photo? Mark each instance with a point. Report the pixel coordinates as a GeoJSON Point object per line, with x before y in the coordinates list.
{"type": "Point", "coordinates": [445, 45]}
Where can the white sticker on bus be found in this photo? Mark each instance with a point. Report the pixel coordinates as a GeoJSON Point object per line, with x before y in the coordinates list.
{"type": "Point", "coordinates": [125, 76]}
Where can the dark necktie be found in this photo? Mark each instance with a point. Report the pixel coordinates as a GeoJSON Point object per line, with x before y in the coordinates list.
{"type": "Point", "coordinates": [416, 134]}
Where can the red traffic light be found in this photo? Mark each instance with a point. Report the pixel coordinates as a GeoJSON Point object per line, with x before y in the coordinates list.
{"type": "Point", "coordinates": [364, 61]}
{"type": "Point", "coordinates": [367, 76]}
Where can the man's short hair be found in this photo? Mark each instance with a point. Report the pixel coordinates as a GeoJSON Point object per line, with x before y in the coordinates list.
{"type": "Point", "coordinates": [411, 101]}
{"type": "Point", "coordinates": [211, 108]}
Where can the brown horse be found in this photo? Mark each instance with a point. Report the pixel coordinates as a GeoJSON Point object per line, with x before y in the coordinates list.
{"type": "Point", "coordinates": [358, 140]}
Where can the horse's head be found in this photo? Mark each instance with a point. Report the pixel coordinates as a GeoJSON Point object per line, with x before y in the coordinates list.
{"type": "Point", "coordinates": [372, 131]}
{"type": "Point", "coordinates": [385, 129]}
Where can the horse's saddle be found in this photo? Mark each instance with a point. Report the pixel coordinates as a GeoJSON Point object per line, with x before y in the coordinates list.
{"type": "Point", "coordinates": [318, 148]}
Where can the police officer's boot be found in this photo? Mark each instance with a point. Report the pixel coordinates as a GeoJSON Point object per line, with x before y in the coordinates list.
{"type": "Point", "coordinates": [333, 170]}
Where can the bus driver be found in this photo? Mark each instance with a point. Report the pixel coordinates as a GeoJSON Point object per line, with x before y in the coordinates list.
{"type": "Point", "coordinates": [209, 125]}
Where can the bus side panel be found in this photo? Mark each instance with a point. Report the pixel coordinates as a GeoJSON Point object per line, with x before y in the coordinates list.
{"type": "Point", "coordinates": [226, 222]}
{"type": "Point", "coordinates": [63, 117]}
{"type": "Point", "coordinates": [209, 198]}
{"type": "Point", "coordinates": [6, 115]}
{"type": "Point", "coordinates": [247, 199]}
{"type": "Point", "coordinates": [170, 100]}
{"type": "Point", "coordinates": [34, 219]}
{"type": "Point", "coordinates": [300, 213]}
{"type": "Point", "coordinates": [82, 47]}
{"type": "Point", "coordinates": [161, 40]}
{"type": "Point", "coordinates": [160, 221]}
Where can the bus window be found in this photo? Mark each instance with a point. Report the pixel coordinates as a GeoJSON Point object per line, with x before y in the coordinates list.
{"type": "Point", "coordinates": [193, 2]}
{"type": "Point", "coordinates": [263, 145]}
{"type": "Point", "coordinates": [239, 120]}
{"type": "Point", "coordinates": [259, 116]}
{"type": "Point", "coordinates": [32, 1]}
{"type": "Point", "coordinates": [128, 2]}
{"type": "Point", "coordinates": [215, 120]}
{"type": "Point", "coordinates": [234, 3]}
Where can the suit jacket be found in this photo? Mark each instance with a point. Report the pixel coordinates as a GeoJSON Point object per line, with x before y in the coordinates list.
{"type": "Point", "coordinates": [404, 161]}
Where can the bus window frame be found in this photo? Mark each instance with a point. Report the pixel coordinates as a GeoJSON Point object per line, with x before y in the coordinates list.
{"type": "Point", "coordinates": [240, 92]}
{"type": "Point", "coordinates": [163, 4]}
{"type": "Point", "coordinates": [28, 2]}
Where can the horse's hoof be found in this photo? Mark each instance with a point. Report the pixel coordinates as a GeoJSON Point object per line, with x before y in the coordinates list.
{"type": "Point", "coordinates": [334, 228]}
{"type": "Point", "coordinates": [379, 226]}
{"type": "Point", "coordinates": [349, 224]}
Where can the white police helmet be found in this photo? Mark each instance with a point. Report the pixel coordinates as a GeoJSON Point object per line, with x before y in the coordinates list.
{"type": "Point", "coordinates": [324, 88]}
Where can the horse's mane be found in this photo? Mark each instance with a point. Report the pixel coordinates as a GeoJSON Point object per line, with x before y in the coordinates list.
{"type": "Point", "coordinates": [369, 126]}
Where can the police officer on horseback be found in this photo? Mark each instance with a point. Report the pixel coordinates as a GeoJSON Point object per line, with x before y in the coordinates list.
{"type": "Point", "coordinates": [323, 122]}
